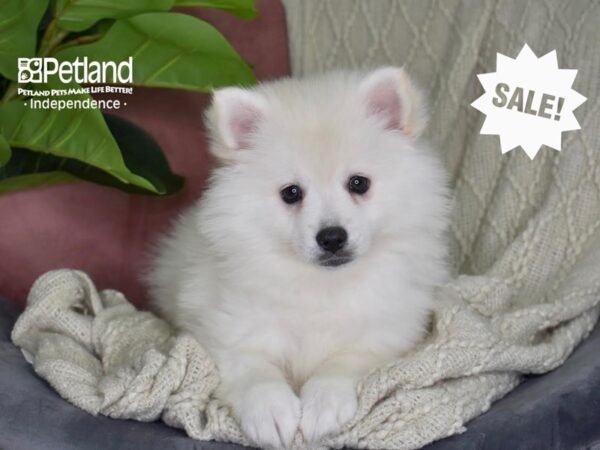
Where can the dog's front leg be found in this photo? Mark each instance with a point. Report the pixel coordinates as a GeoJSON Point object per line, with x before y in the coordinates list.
{"type": "Point", "coordinates": [329, 396]}
{"type": "Point", "coordinates": [265, 405]}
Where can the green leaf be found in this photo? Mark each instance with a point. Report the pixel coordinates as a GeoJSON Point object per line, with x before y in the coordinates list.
{"type": "Point", "coordinates": [37, 179]}
{"type": "Point", "coordinates": [4, 151]}
{"type": "Point", "coordinates": [241, 8]}
{"type": "Point", "coordinates": [19, 20]}
{"type": "Point", "coordinates": [141, 154]}
{"type": "Point", "coordinates": [79, 15]}
{"type": "Point", "coordinates": [79, 134]}
{"type": "Point", "coordinates": [169, 50]}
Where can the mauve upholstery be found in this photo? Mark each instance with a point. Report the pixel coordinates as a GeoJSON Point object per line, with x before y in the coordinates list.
{"type": "Point", "coordinates": [108, 233]}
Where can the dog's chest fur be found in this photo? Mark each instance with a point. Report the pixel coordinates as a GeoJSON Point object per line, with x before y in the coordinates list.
{"type": "Point", "coordinates": [302, 320]}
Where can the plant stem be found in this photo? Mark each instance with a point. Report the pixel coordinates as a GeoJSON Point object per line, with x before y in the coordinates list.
{"type": "Point", "coordinates": [79, 41]}
{"type": "Point", "coordinates": [52, 37]}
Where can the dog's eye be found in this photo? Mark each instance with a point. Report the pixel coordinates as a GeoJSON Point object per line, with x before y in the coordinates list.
{"type": "Point", "coordinates": [358, 184]}
{"type": "Point", "coordinates": [291, 194]}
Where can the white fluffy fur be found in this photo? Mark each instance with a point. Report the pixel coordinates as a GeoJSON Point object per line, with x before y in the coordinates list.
{"type": "Point", "coordinates": [290, 337]}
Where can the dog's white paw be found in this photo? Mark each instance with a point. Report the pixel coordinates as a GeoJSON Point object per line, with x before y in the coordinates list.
{"type": "Point", "coordinates": [327, 405]}
{"type": "Point", "coordinates": [269, 414]}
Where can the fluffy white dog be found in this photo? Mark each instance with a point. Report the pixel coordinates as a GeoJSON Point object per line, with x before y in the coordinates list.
{"type": "Point", "coordinates": [312, 256]}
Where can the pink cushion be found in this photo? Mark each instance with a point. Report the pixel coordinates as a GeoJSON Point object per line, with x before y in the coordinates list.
{"type": "Point", "coordinates": [106, 232]}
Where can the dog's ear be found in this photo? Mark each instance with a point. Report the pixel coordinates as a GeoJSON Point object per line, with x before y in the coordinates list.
{"type": "Point", "coordinates": [232, 120]}
{"type": "Point", "coordinates": [391, 96]}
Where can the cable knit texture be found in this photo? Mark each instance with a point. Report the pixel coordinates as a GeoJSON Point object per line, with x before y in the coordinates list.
{"type": "Point", "coordinates": [524, 241]}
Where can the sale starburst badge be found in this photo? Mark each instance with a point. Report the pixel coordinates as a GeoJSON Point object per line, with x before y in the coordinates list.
{"type": "Point", "coordinates": [528, 101]}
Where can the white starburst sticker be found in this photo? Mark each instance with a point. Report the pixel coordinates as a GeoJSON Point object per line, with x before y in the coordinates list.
{"type": "Point", "coordinates": [528, 101]}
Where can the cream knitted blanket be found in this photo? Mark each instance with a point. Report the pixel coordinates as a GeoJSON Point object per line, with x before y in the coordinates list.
{"type": "Point", "coordinates": [524, 241]}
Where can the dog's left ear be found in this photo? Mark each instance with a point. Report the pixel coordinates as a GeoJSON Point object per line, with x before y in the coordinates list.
{"type": "Point", "coordinates": [391, 96]}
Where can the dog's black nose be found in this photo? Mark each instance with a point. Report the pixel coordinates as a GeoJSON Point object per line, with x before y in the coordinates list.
{"type": "Point", "coordinates": [332, 239]}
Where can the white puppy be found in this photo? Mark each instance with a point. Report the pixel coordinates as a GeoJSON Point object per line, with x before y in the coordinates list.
{"type": "Point", "coordinates": [313, 254]}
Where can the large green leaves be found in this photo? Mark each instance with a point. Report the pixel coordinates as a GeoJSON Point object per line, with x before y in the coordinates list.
{"type": "Point", "coordinates": [78, 15]}
{"type": "Point", "coordinates": [79, 134]}
{"type": "Point", "coordinates": [169, 50]}
{"type": "Point", "coordinates": [19, 21]}
{"type": "Point", "coordinates": [48, 146]}
{"type": "Point", "coordinates": [141, 154]}
{"type": "Point", "coordinates": [241, 8]}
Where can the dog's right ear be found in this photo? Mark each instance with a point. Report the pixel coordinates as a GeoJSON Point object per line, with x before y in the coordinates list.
{"type": "Point", "coordinates": [233, 119]}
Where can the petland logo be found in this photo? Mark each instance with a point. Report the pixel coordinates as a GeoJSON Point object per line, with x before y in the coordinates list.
{"type": "Point", "coordinates": [37, 70]}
